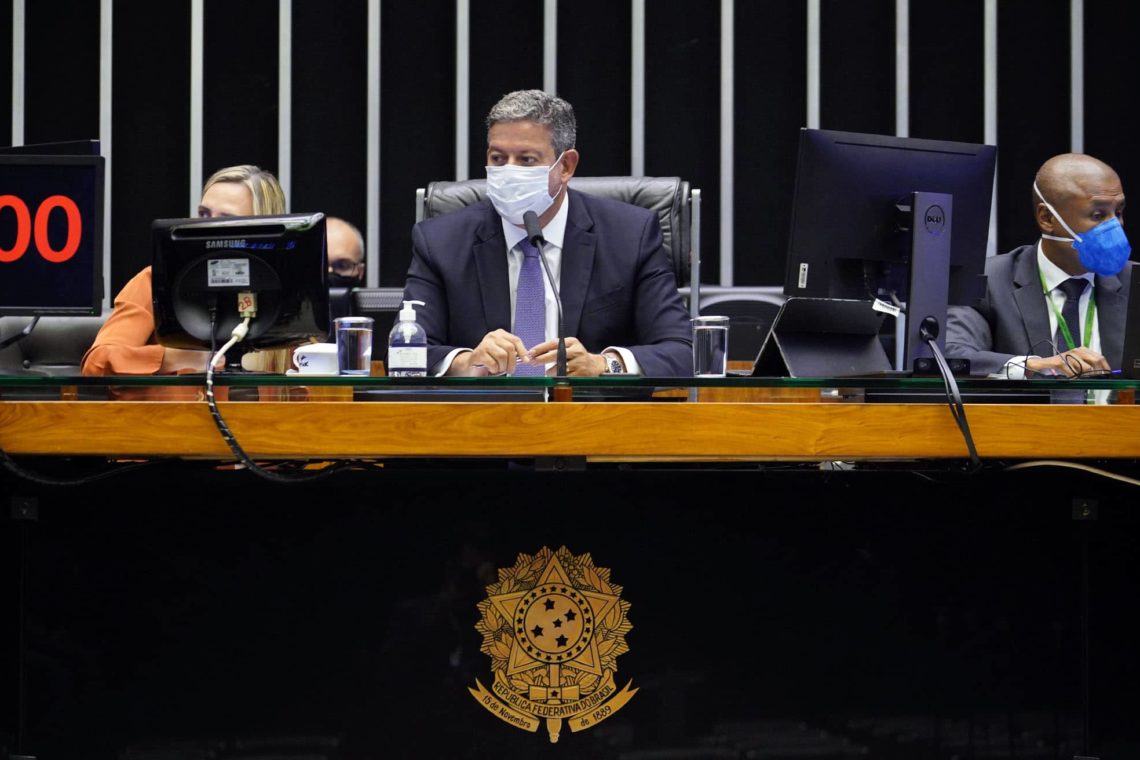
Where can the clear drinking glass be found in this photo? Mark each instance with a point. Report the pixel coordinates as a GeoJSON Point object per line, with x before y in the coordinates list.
{"type": "Point", "coordinates": [710, 346]}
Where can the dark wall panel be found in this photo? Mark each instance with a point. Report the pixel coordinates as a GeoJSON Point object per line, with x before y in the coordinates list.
{"type": "Point", "coordinates": [496, 69]}
{"type": "Point", "coordinates": [947, 71]}
{"type": "Point", "coordinates": [1110, 30]}
{"type": "Point", "coordinates": [150, 128]}
{"type": "Point", "coordinates": [771, 107]}
{"type": "Point", "coordinates": [1033, 107]}
{"type": "Point", "coordinates": [5, 72]}
{"type": "Point", "coordinates": [594, 76]}
{"type": "Point", "coordinates": [417, 106]}
{"type": "Point", "coordinates": [857, 66]}
{"type": "Point", "coordinates": [682, 109]}
{"type": "Point", "coordinates": [239, 91]}
{"type": "Point", "coordinates": [61, 90]}
{"type": "Point", "coordinates": [330, 114]}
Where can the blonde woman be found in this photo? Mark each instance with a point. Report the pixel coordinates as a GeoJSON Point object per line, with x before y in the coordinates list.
{"type": "Point", "coordinates": [126, 344]}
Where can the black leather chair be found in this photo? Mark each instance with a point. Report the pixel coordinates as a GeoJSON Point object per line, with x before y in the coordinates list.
{"type": "Point", "coordinates": [54, 348]}
{"type": "Point", "coordinates": [676, 203]}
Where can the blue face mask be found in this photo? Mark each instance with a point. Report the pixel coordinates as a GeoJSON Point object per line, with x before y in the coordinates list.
{"type": "Point", "coordinates": [1104, 249]}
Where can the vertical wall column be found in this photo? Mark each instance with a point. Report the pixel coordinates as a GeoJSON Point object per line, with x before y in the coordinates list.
{"type": "Point", "coordinates": [550, 46]}
{"type": "Point", "coordinates": [373, 150]}
{"type": "Point", "coordinates": [285, 99]}
{"type": "Point", "coordinates": [637, 90]}
{"type": "Point", "coordinates": [902, 68]}
{"type": "Point", "coordinates": [462, 85]}
{"type": "Point", "coordinates": [197, 25]}
{"type": "Point", "coordinates": [106, 26]}
{"type": "Point", "coordinates": [991, 109]}
{"type": "Point", "coordinates": [727, 148]}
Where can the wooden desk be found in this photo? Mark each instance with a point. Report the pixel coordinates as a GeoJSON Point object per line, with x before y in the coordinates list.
{"type": "Point", "coordinates": [598, 431]}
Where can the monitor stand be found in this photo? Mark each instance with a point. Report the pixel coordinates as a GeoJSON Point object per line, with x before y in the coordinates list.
{"type": "Point", "coordinates": [823, 337]}
{"type": "Point", "coordinates": [930, 220]}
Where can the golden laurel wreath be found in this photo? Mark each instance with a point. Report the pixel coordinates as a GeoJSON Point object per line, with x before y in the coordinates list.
{"type": "Point", "coordinates": [553, 627]}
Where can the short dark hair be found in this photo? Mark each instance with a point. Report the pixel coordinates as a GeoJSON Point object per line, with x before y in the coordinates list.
{"type": "Point", "coordinates": [541, 108]}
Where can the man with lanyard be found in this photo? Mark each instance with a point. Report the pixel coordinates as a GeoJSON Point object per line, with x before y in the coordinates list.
{"type": "Point", "coordinates": [1056, 308]}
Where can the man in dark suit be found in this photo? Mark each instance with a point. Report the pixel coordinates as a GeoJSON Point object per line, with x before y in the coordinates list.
{"type": "Point", "coordinates": [1057, 307]}
{"type": "Point", "coordinates": [489, 308]}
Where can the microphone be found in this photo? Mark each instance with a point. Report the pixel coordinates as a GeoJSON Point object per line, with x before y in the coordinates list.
{"type": "Point", "coordinates": [534, 235]}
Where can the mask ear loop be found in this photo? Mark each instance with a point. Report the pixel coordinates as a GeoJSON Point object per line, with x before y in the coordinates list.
{"type": "Point", "coordinates": [1053, 211]}
{"type": "Point", "coordinates": [557, 162]}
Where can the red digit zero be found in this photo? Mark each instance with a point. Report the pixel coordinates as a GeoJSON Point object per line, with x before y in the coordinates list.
{"type": "Point", "coordinates": [74, 228]}
{"type": "Point", "coordinates": [24, 228]}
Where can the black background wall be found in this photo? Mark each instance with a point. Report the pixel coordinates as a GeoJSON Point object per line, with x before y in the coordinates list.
{"type": "Point", "coordinates": [151, 73]}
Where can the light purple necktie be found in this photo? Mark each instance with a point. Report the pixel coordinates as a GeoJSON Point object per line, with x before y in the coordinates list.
{"type": "Point", "coordinates": [530, 307]}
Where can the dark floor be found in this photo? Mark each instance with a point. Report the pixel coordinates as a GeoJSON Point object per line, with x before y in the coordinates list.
{"type": "Point", "coordinates": [784, 613]}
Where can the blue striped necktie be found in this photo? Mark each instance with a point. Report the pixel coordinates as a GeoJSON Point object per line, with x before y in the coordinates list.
{"type": "Point", "coordinates": [530, 307]}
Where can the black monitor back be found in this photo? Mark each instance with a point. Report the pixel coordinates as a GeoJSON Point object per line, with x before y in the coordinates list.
{"type": "Point", "coordinates": [847, 237]}
{"type": "Point", "coordinates": [204, 263]}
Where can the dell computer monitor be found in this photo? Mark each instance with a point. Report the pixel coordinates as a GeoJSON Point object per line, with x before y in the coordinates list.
{"type": "Point", "coordinates": [202, 267]}
{"type": "Point", "coordinates": [51, 234]}
{"type": "Point", "coordinates": [876, 216]}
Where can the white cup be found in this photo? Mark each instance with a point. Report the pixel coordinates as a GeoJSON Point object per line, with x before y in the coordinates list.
{"type": "Point", "coordinates": [315, 359]}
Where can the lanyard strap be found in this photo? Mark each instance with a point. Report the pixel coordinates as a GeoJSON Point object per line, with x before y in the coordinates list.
{"type": "Point", "coordinates": [1090, 313]}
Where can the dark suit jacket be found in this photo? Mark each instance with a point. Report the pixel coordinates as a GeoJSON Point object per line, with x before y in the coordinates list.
{"type": "Point", "coordinates": [616, 284]}
{"type": "Point", "coordinates": [1013, 320]}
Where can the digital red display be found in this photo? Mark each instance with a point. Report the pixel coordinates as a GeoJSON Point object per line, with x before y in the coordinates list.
{"type": "Point", "coordinates": [51, 234]}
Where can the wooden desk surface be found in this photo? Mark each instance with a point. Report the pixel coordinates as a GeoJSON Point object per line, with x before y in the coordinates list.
{"type": "Point", "coordinates": [599, 431]}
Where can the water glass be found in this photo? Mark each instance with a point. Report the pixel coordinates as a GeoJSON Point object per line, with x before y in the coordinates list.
{"type": "Point", "coordinates": [354, 345]}
{"type": "Point", "coordinates": [710, 346]}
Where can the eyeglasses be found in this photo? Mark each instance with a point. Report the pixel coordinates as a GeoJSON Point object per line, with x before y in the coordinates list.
{"type": "Point", "coordinates": [344, 266]}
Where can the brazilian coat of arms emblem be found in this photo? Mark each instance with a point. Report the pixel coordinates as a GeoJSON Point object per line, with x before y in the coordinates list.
{"type": "Point", "coordinates": [553, 626]}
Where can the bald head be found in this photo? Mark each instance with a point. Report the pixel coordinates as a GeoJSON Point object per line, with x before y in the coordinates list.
{"type": "Point", "coordinates": [345, 251]}
{"type": "Point", "coordinates": [1084, 192]}
{"type": "Point", "coordinates": [1074, 174]}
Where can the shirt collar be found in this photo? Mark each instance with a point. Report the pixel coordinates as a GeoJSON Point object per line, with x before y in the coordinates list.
{"type": "Point", "coordinates": [554, 232]}
{"type": "Point", "coordinates": [1053, 274]}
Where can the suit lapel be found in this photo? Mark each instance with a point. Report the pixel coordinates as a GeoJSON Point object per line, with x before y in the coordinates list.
{"type": "Point", "coordinates": [1111, 308]}
{"type": "Point", "coordinates": [1031, 302]}
{"type": "Point", "coordinates": [578, 246]}
{"type": "Point", "coordinates": [490, 253]}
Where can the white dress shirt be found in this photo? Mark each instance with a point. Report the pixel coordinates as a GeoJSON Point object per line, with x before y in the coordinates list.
{"type": "Point", "coordinates": [1054, 276]}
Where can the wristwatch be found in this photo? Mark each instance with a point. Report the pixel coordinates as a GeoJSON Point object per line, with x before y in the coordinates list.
{"type": "Point", "coordinates": [613, 365]}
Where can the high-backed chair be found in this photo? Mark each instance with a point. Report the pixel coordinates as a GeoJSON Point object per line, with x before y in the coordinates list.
{"type": "Point", "coordinates": [678, 208]}
{"type": "Point", "coordinates": [54, 348]}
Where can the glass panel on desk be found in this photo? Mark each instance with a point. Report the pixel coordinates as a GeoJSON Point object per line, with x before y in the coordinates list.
{"type": "Point", "coordinates": [732, 389]}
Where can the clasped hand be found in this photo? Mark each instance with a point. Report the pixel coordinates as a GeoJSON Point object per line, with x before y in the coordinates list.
{"type": "Point", "coordinates": [1072, 363]}
{"type": "Point", "coordinates": [500, 351]}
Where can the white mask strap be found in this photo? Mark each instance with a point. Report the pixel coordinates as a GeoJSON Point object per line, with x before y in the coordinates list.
{"type": "Point", "coordinates": [1057, 216]}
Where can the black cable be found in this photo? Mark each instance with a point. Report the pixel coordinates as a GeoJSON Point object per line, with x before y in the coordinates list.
{"type": "Point", "coordinates": [20, 335]}
{"type": "Point", "coordinates": [227, 434]}
{"type": "Point", "coordinates": [45, 480]}
{"type": "Point", "coordinates": [953, 398]}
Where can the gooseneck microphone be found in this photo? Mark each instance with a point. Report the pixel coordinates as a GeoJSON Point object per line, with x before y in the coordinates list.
{"type": "Point", "coordinates": [534, 235]}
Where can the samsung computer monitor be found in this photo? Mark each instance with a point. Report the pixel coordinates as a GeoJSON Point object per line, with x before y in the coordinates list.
{"type": "Point", "coordinates": [882, 217]}
{"type": "Point", "coordinates": [51, 234]}
{"type": "Point", "coordinates": [201, 268]}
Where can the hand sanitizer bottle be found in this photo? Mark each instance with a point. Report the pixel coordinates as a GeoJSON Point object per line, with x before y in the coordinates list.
{"type": "Point", "coordinates": [407, 345]}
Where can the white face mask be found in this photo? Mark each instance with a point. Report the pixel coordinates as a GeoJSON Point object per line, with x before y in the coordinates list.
{"type": "Point", "coordinates": [515, 190]}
